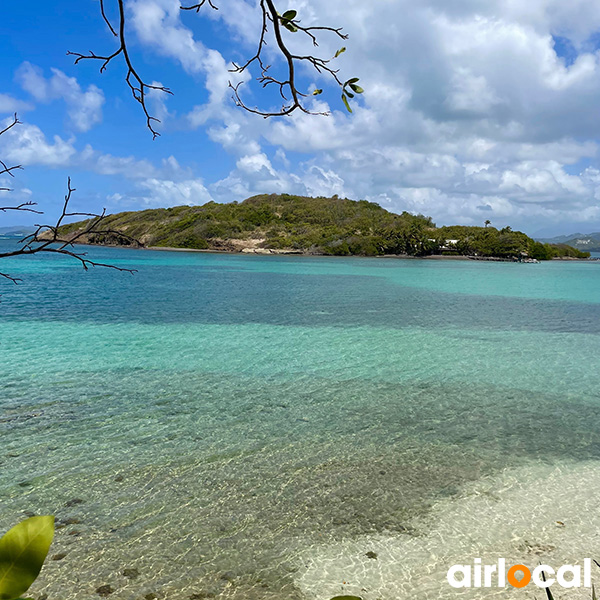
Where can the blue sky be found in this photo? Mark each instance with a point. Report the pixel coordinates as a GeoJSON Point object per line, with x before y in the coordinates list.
{"type": "Point", "coordinates": [471, 110]}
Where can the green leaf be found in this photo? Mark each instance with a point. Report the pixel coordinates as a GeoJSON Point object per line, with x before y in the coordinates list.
{"type": "Point", "coordinates": [340, 51]}
{"type": "Point", "coordinates": [317, 92]}
{"type": "Point", "coordinates": [346, 598]}
{"type": "Point", "coordinates": [353, 80]}
{"type": "Point", "coordinates": [356, 88]}
{"type": "Point", "coordinates": [289, 15]}
{"type": "Point", "coordinates": [23, 550]}
{"type": "Point", "coordinates": [290, 26]}
{"type": "Point", "coordinates": [594, 597]}
{"type": "Point", "coordinates": [345, 100]}
{"type": "Point", "coordinates": [349, 94]}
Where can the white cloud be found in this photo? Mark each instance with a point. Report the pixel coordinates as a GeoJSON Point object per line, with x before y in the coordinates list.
{"type": "Point", "coordinates": [107, 164]}
{"type": "Point", "coordinates": [27, 145]}
{"type": "Point", "coordinates": [468, 112]}
{"type": "Point", "coordinates": [9, 104]}
{"type": "Point", "coordinates": [165, 193]}
{"type": "Point", "coordinates": [84, 107]}
{"type": "Point", "coordinates": [157, 24]}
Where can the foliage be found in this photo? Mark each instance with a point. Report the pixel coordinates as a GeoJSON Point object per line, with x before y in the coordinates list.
{"type": "Point", "coordinates": [23, 550]}
{"type": "Point", "coordinates": [331, 226]}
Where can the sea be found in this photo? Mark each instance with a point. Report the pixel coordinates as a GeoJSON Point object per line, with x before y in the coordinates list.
{"type": "Point", "coordinates": [289, 427]}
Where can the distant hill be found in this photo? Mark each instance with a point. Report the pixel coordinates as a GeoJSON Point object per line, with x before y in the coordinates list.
{"type": "Point", "coordinates": [589, 242]}
{"type": "Point", "coordinates": [15, 231]}
{"type": "Point", "coordinates": [295, 224]}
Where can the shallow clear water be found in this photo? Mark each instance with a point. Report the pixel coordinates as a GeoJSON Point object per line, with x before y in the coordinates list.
{"type": "Point", "coordinates": [249, 427]}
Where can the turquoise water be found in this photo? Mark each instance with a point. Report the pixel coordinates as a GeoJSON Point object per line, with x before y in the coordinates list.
{"type": "Point", "coordinates": [248, 427]}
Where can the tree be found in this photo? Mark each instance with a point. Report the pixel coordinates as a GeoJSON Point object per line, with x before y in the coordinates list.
{"type": "Point", "coordinates": [47, 238]}
{"type": "Point", "coordinates": [487, 222]}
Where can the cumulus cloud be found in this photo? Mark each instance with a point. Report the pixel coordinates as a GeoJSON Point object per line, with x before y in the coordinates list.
{"type": "Point", "coordinates": [9, 104]}
{"type": "Point", "coordinates": [27, 144]}
{"type": "Point", "coordinates": [84, 107]}
{"type": "Point", "coordinates": [165, 193]}
{"type": "Point", "coordinates": [469, 112]}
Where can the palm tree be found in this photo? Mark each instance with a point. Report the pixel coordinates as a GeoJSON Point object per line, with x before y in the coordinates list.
{"type": "Point", "coordinates": [487, 222]}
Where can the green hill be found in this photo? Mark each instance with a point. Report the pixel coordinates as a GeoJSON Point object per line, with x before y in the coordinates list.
{"type": "Point", "coordinates": [335, 226]}
{"type": "Point", "coordinates": [587, 242]}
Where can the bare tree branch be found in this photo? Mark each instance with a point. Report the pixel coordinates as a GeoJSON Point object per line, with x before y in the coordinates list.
{"type": "Point", "coordinates": [15, 122]}
{"type": "Point", "coordinates": [197, 7]}
{"type": "Point", "coordinates": [139, 89]}
{"type": "Point", "coordinates": [24, 206]}
{"type": "Point", "coordinates": [6, 170]}
{"type": "Point", "coordinates": [287, 85]}
{"type": "Point", "coordinates": [51, 239]}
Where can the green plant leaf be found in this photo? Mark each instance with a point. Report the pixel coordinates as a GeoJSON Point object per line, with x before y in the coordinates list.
{"type": "Point", "coordinates": [289, 15]}
{"type": "Point", "coordinates": [347, 598]}
{"type": "Point", "coordinates": [340, 51]}
{"type": "Point", "coordinates": [290, 26]}
{"type": "Point", "coordinates": [594, 597]}
{"type": "Point", "coordinates": [353, 80]}
{"type": "Point", "coordinates": [356, 88]}
{"type": "Point", "coordinates": [317, 92]}
{"type": "Point", "coordinates": [345, 100]}
{"type": "Point", "coordinates": [349, 94]}
{"type": "Point", "coordinates": [23, 550]}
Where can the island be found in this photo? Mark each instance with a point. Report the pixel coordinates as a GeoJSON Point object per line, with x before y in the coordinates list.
{"type": "Point", "coordinates": [288, 224]}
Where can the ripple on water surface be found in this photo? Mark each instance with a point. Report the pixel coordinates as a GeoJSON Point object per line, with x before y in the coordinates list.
{"type": "Point", "coordinates": [251, 429]}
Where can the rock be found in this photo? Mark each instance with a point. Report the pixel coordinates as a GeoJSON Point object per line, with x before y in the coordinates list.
{"type": "Point", "coordinates": [150, 596]}
{"type": "Point", "coordinates": [42, 597]}
{"type": "Point", "coordinates": [104, 590]}
{"type": "Point", "coordinates": [59, 556]}
{"type": "Point", "coordinates": [371, 554]}
{"type": "Point", "coordinates": [119, 478]}
{"type": "Point", "coordinates": [131, 573]}
{"type": "Point", "coordinates": [201, 595]}
{"type": "Point", "coordinates": [24, 484]}
{"type": "Point", "coordinates": [74, 502]}
{"type": "Point", "coordinates": [72, 521]}
{"type": "Point", "coordinates": [74, 532]}
{"type": "Point", "coordinates": [228, 576]}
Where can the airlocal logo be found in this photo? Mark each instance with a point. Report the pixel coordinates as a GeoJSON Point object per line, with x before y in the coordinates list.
{"type": "Point", "coordinates": [518, 576]}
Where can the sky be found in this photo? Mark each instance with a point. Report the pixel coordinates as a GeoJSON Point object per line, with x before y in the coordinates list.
{"type": "Point", "coordinates": [472, 110]}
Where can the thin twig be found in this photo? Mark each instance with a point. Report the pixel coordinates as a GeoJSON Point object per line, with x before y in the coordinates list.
{"type": "Point", "coordinates": [139, 89]}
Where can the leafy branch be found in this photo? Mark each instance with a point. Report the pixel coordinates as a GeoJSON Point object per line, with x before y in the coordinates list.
{"type": "Point", "coordinates": [271, 22]}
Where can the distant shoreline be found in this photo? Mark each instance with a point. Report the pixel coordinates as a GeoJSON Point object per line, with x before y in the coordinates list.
{"type": "Point", "coordinates": [276, 252]}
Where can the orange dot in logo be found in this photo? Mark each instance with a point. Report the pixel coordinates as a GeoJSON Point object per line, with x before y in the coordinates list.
{"type": "Point", "coordinates": [518, 583]}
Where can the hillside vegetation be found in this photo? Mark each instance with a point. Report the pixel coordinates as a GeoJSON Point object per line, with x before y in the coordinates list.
{"type": "Point", "coordinates": [334, 226]}
{"type": "Point", "coordinates": [588, 242]}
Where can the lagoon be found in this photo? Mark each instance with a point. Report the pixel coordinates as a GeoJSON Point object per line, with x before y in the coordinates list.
{"type": "Point", "coordinates": [251, 426]}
